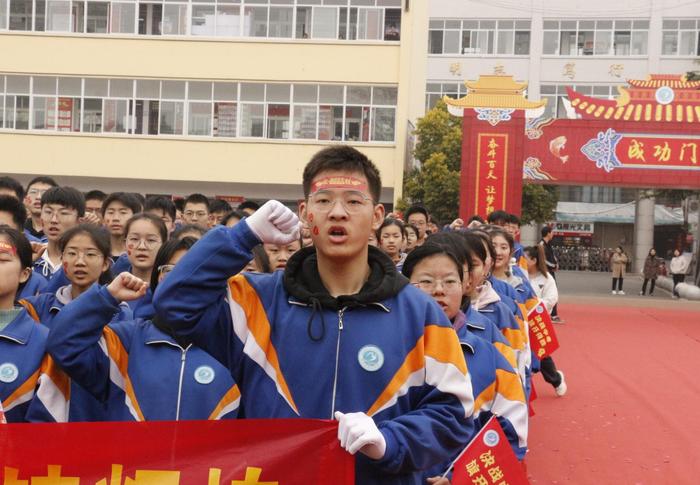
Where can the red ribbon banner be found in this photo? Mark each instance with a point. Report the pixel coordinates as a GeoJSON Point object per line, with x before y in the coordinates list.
{"type": "Point", "coordinates": [236, 452]}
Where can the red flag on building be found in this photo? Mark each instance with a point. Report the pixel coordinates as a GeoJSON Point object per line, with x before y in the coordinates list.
{"type": "Point", "coordinates": [543, 339]}
{"type": "Point", "coordinates": [489, 459]}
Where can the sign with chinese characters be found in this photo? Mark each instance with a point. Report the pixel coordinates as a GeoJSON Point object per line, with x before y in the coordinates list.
{"type": "Point", "coordinates": [236, 452]}
{"type": "Point", "coordinates": [489, 459]}
{"type": "Point", "coordinates": [543, 339]}
{"type": "Point", "coordinates": [572, 228]}
{"type": "Point", "coordinates": [491, 173]}
{"type": "Point", "coordinates": [621, 153]}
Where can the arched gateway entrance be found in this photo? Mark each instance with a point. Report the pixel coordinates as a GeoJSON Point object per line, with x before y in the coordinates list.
{"type": "Point", "coordinates": [649, 137]}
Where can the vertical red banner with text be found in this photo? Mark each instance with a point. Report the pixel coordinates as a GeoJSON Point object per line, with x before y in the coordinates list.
{"type": "Point", "coordinates": [491, 173]}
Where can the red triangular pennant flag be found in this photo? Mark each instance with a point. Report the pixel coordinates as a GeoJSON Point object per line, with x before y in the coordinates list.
{"type": "Point", "coordinates": [489, 459]}
{"type": "Point", "coordinates": [543, 339]}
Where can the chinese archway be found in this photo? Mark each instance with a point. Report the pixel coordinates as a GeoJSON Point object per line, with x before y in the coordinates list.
{"type": "Point", "coordinates": [648, 137]}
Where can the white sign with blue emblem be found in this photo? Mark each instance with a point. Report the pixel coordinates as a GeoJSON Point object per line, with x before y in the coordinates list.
{"type": "Point", "coordinates": [665, 95]}
{"type": "Point", "coordinates": [371, 358]}
{"type": "Point", "coordinates": [8, 372]}
{"type": "Point", "coordinates": [204, 374]}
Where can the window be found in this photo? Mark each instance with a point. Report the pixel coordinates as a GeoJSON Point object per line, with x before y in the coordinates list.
{"type": "Point", "coordinates": [58, 16]}
{"type": "Point", "coordinates": [123, 19]}
{"type": "Point", "coordinates": [595, 37]}
{"type": "Point", "coordinates": [681, 37]}
{"type": "Point", "coordinates": [357, 113]}
{"type": "Point", "coordinates": [435, 91]}
{"type": "Point", "coordinates": [97, 17]}
{"type": "Point", "coordinates": [150, 18]}
{"type": "Point", "coordinates": [174, 19]}
{"type": "Point", "coordinates": [325, 23]}
{"type": "Point", "coordinates": [479, 37]}
{"type": "Point", "coordinates": [281, 22]}
{"type": "Point", "coordinates": [20, 15]}
{"type": "Point", "coordinates": [3, 26]}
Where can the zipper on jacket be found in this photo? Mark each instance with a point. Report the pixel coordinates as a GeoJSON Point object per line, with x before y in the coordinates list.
{"type": "Point", "coordinates": [182, 376]}
{"type": "Point", "coordinates": [337, 358]}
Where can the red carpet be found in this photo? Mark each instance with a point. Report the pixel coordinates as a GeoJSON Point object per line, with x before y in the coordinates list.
{"type": "Point", "coordinates": [632, 412]}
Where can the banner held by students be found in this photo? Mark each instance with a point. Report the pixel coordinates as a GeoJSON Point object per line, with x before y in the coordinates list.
{"type": "Point", "coordinates": [489, 459]}
{"type": "Point", "coordinates": [543, 339]}
{"type": "Point", "coordinates": [270, 452]}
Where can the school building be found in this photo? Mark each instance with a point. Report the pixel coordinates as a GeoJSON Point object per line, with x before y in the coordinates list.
{"type": "Point", "coordinates": [224, 97]}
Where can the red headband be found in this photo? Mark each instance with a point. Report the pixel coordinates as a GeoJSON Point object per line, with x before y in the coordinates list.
{"type": "Point", "coordinates": [8, 248]}
{"type": "Point", "coordinates": [339, 182]}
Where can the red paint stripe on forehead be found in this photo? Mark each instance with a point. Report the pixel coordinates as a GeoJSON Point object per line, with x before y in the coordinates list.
{"type": "Point", "coordinates": [339, 182]}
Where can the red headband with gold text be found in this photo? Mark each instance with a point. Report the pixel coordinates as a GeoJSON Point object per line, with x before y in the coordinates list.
{"type": "Point", "coordinates": [339, 182]}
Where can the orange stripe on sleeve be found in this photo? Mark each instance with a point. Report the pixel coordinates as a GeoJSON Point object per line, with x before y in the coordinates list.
{"type": "Point", "coordinates": [509, 385]}
{"type": "Point", "coordinates": [486, 395]}
{"type": "Point", "coordinates": [442, 344]}
{"type": "Point", "coordinates": [27, 386]}
{"type": "Point", "coordinates": [56, 374]}
{"type": "Point", "coordinates": [514, 338]}
{"type": "Point", "coordinates": [30, 309]}
{"type": "Point", "coordinates": [414, 361]}
{"type": "Point", "coordinates": [259, 327]}
{"type": "Point", "coordinates": [507, 352]}
{"type": "Point", "coordinates": [120, 357]}
{"type": "Point", "coordinates": [231, 396]}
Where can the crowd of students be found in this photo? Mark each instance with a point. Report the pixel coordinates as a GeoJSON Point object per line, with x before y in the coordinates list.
{"type": "Point", "coordinates": [115, 307]}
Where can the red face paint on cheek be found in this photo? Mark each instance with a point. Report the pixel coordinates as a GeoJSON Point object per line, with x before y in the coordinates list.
{"type": "Point", "coordinates": [315, 231]}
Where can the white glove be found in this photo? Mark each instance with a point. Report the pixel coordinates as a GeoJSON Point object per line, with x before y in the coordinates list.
{"type": "Point", "coordinates": [357, 432]}
{"type": "Point", "coordinates": [274, 223]}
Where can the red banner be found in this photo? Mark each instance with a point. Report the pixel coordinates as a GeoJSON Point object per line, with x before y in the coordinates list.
{"type": "Point", "coordinates": [543, 339]}
{"type": "Point", "coordinates": [620, 153]}
{"type": "Point", "coordinates": [491, 173]}
{"type": "Point", "coordinates": [237, 452]}
{"type": "Point", "coordinates": [489, 459]}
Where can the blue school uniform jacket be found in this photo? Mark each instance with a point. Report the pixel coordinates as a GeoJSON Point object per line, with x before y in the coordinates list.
{"type": "Point", "coordinates": [44, 308]}
{"type": "Point", "coordinates": [138, 371]}
{"type": "Point", "coordinates": [32, 387]}
{"type": "Point", "coordinates": [296, 351]}
{"type": "Point", "coordinates": [35, 285]}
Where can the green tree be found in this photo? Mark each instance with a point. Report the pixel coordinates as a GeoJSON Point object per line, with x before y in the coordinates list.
{"type": "Point", "coordinates": [436, 182]}
{"type": "Point", "coordinates": [539, 203]}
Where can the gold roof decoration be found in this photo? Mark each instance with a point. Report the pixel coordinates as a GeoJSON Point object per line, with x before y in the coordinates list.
{"type": "Point", "coordinates": [494, 92]}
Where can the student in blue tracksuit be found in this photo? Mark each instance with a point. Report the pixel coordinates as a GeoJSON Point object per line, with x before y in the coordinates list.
{"type": "Point", "coordinates": [32, 387]}
{"type": "Point", "coordinates": [13, 214]}
{"type": "Point", "coordinates": [339, 334]}
{"type": "Point", "coordinates": [85, 254]}
{"type": "Point", "coordinates": [436, 271]}
{"type": "Point", "coordinates": [144, 235]}
{"type": "Point", "coordinates": [139, 370]}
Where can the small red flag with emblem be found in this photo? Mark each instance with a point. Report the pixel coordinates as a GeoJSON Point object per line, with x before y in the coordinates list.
{"type": "Point", "coordinates": [543, 339]}
{"type": "Point", "coordinates": [489, 459]}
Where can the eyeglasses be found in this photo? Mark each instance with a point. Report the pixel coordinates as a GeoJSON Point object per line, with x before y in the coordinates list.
{"type": "Point", "coordinates": [353, 202]}
{"type": "Point", "coordinates": [193, 214]}
{"type": "Point", "coordinates": [165, 268]}
{"type": "Point", "coordinates": [430, 284]}
{"type": "Point", "coordinates": [71, 255]}
{"type": "Point", "coordinates": [150, 243]}
{"type": "Point", "coordinates": [62, 215]}
{"type": "Point", "coordinates": [36, 191]}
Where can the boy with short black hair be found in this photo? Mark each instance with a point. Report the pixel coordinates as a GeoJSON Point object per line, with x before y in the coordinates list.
{"type": "Point", "coordinates": [218, 209]}
{"type": "Point", "coordinates": [61, 209]}
{"type": "Point", "coordinates": [196, 211]}
{"type": "Point", "coordinates": [418, 216]}
{"type": "Point", "coordinates": [36, 188]}
{"type": "Point", "coordinates": [93, 203]}
{"type": "Point", "coordinates": [344, 336]}
{"type": "Point", "coordinates": [10, 186]}
{"type": "Point", "coordinates": [248, 206]}
{"type": "Point", "coordinates": [118, 208]}
{"type": "Point", "coordinates": [163, 207]}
